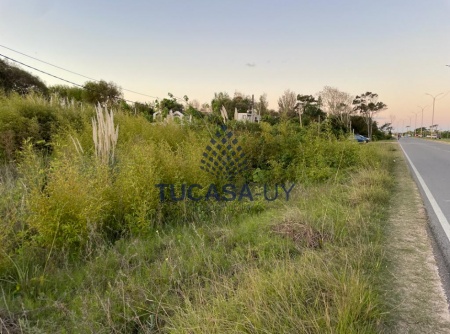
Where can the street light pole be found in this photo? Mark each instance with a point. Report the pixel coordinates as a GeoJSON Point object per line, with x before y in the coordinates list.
{"type": "Point", "coordinates": [432, 117]}
{"type": "Point", "coordinates": [409, 126]}
{"type": "Point", "coordinates": [421, 126]}
{"type": "Point", "coordinates": [415, 123]}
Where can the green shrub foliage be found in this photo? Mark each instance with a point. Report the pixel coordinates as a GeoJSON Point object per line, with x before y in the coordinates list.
{"type": "Point", "coordinates": [70, 196]}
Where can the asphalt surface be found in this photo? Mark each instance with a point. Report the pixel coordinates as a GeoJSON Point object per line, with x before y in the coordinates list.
{"type": "Point", "coordinates": [429, 163]}
{"type": "Point", "coordinates": [432, 161]}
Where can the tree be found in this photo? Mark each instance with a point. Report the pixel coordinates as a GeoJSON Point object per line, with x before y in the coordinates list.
{"type": "Point", "coordinates": [262, 106]}
{"type": "Point", "coordinates": [337, 104]}
{"type": "Point", "coordinates": [193, 109]}
{"type": "Point", "coordinates": [221, 99]}
{"type": "Point", "coordinates": [70, 93]}
{"type": "Point", "coordinates": [368, 105]}
{"type": "Point", "coordinates": [271, 116]}
{"type": "Point", "coordinates": [145, 109]}
{"type": "Point", "coordinates": [387, 127]}
{"type": "Point", "coordinates": [310, 108]}
{"type": "Point", "coordinates": [168, 104]}
{"type": "Point", "coordinates": [240, 102]}
{"type": "Point", "coordinates": [101, 92]}
{"type": "Point", "coordinates": [14, 79]}
{"type": "Point", "coordinates": [287, 103]}
{"type": "Point", "coordinates": [359, 125]}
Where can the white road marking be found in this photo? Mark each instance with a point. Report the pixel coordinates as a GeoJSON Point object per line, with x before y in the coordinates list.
{"type": "Point", "coordinates": [437, 210]}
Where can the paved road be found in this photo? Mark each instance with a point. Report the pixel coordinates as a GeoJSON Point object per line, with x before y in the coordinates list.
{"type": "Point", "coordinates": [430, 165]}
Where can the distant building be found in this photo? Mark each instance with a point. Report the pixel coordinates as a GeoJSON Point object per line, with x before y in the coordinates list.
{"type": "Point", "coordinates": [248, 116]}
{"type": "Point", "coordinates": [157, 116]}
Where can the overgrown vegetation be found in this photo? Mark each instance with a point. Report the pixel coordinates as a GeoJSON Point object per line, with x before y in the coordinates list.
{"type": "Point", "coordinates": [344, 114]}
{"type": "Point", "coordinates": [14, 79]}
{"type": "Point", "coordinates": [87, 246]}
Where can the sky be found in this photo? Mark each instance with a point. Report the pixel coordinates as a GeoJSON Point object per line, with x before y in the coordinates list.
{"type": "Point", "coordinates": [395, 48]}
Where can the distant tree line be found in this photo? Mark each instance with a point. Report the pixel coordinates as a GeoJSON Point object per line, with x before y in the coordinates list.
{"type": "Point", "coordinates": [345, 112]}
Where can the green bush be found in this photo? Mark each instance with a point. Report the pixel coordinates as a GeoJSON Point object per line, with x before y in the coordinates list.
{"type": "Point", "coordinates": [71, 194]}
{"type": "Point", "coordinates": [35, 118]}
{"type": "Point", "coordinates": [72, 203]}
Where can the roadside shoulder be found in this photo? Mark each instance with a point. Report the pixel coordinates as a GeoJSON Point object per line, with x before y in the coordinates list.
{"type": "Point", "coordinates": [413, 287]}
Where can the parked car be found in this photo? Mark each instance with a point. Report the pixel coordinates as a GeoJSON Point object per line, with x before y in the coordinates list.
{"type": "Point", "coordinates": [361, 139]}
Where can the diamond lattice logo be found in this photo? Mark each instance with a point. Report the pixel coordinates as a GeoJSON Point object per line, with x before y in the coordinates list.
{"type": "Point", "coordinates": [224, 157]}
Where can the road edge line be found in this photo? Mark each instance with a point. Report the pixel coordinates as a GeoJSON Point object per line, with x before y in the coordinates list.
{"type": "Point", "coordinates": [435, 206]}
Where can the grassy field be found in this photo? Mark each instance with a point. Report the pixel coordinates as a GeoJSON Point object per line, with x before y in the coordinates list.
{"type": "Point", "coordinates": [87, 247]}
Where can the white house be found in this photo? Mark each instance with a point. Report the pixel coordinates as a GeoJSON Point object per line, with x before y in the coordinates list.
{"type": "Point", "coordinates": [248, 116]}
{"type": "Point", "coordinates": [157, 116]}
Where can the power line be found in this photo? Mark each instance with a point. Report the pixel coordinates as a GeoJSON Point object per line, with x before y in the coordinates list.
{"type": "Point", "coordinates": [54, 76]}
{"type": "Point", "coordinates": [64, 69]}
{"type": "Point", "coordinates": [18, 62]}
{"type": "Point", "coordinates": [42, 61]}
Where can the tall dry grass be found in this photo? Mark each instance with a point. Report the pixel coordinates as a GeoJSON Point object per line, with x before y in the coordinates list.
{"type": "Point", "coordinates": [104, 134]}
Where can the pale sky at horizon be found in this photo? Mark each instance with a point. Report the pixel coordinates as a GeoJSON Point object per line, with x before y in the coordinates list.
{"type": "Point", "coordinates": [395, 48]}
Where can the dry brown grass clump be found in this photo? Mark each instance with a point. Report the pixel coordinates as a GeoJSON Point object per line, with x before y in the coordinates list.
{"type": "Point", "coordinates": [301, 234]}
{"type": "Point", "coordinates": [8, 323]}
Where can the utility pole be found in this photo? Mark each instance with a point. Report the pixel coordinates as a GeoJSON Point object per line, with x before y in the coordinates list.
{"type": "Point", "coordinates": [253, 103]}
{"type": "Point", "coordinates": [421, 126]}
{"type": "Point", "coordinates": [432, 117]}
{"type": "Point", "coordinates": [415, 123]}
{"type": "Point", "coordinates": [299, 108]}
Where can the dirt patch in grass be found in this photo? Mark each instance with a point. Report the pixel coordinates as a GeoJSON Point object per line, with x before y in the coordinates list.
{"type": "Point", "coordinates": [302, 235]}
{"type": "Point", "coordinates": [414, 289]}
{"type": "Point", "coordinates": [8, 324]}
